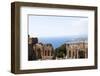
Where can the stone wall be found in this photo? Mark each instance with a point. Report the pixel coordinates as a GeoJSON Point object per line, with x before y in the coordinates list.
{"type": "Point", "coordinates": [39, 51]}
{"type": "Point", "coordinates": [77, 50]}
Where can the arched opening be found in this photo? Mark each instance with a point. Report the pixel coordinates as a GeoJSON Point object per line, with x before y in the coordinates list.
{"type": "Point", "coordinates": [48, 52]}
{"type": "Point", "coordinates": [39, 53]}
{"type": "Point", "coordinates": [81, 54]}
{"type": "Point", "coordinates": [69, 53]}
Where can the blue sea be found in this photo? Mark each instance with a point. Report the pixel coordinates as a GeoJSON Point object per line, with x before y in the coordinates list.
{"type": "Point", "coordinates": [58, 41]}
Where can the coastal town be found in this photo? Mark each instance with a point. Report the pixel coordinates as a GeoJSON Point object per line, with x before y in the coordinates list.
{"type": "Point", "coordinates": [68, 50]}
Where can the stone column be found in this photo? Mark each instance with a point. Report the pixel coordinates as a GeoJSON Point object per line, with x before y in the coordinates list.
{"type": "Point", "coordinates": [86, 53]}
{"type": "Point", "coordinates": [46, 52]}
{"type": "Point", "coordinates": [71, 53]}
{"type": "Point", "coordinates": [50, 52]}
{"type": "Point", "coordinates": [77, 53]}
{"type": "Point", "coordinates": [67, 53]}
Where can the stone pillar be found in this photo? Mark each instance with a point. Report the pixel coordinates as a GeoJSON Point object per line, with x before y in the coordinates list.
{"type": "Point", "coordinates": [77, 53]}
{"type": "Point", "coordinates": [50, 52]}
{"type": "Point", "coordinates": [42, 54]}
{"type": "Point", "coordinates": [74, 53]}
{"type": "Point", "coordinates": [71, 53]}
{"type": "Point", "coordinates": [46, 52]}
{"type": "Point", "coordinates": [68, 53]}
{"type": "Point", "coordinates": [86, 53]}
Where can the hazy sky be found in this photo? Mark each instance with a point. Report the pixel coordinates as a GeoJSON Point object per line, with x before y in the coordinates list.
{"type": "Point", "coordinates": [57, 26]}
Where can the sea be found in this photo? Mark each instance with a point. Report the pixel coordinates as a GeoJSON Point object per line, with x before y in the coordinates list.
{"type": "Point", "coordinates": [57, 41]}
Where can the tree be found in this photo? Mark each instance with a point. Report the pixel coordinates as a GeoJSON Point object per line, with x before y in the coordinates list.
{"type": "Point", "coordinates": [61, 51]}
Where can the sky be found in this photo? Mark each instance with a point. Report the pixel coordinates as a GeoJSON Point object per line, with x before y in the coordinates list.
{"type": "Point", "coordinates": [57, 26]}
